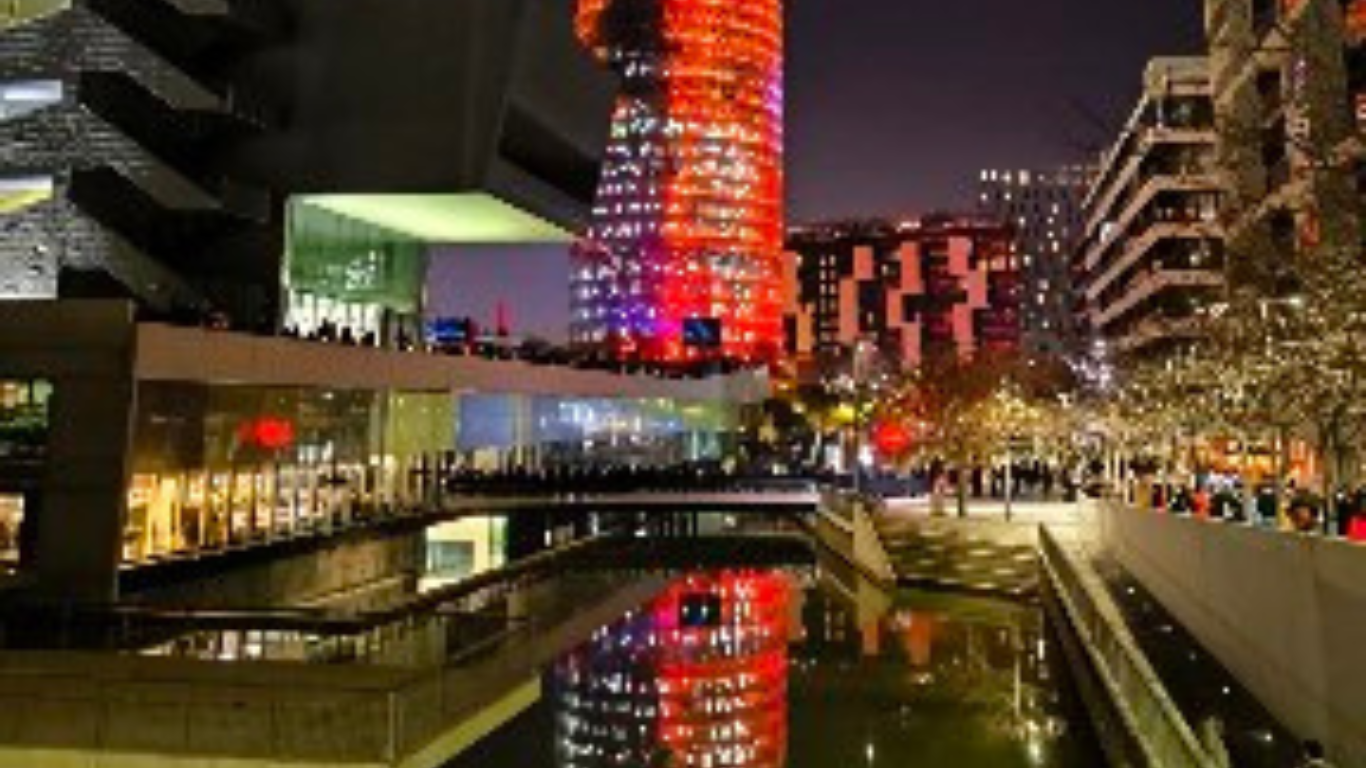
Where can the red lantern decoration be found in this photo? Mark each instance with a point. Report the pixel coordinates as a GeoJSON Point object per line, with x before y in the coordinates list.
{"type": "Point", "coordinates": [892, 438]}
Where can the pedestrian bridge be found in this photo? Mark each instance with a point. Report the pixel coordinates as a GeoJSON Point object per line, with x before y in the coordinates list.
{"type": "Point", "coordinates": [798, 499]}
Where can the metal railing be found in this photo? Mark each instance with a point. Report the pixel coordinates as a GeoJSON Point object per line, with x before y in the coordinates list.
{"type": "Point", "coordinates": [1142, 701]}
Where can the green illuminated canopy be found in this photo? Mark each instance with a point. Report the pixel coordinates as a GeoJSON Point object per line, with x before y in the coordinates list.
{"type": "Point", "coordinates": [475, 218]}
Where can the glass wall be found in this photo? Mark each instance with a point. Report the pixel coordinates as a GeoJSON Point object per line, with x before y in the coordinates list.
{"type": "Point", "coordinates": [25, 406]}
{"type": "Point", "coordinates": [215, 466]}
{"type": "Point", "coordinates": [349, 279]}
{"type": "Point", "coordinates": [218, 466]}
{"type": "Point", "coordinates": [501, 431]}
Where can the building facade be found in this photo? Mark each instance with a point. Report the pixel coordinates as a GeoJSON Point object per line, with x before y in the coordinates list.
{"type": "Point", "coordinates": [936, 286]}
{"type": "Point", "coordinates": [111, 112]}
{"type": "Point", "coordinates": [285, 163]}
{"type": "Point", "coordinates": [1289, 83]}
{"type": "Point", "coordinates": [1043, 208]}
{"type": "Point", "coordinates": [1152, 253]}
{"type": "Point", "coordinates": [148, 183]}
{"type": "Point", "coordinates": [153, 440]}
{"type": "Point", "coordinates": [683, 256]}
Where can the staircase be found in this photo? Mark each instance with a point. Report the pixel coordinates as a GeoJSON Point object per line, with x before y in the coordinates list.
{"type": "Point", "coordinates": [974, 555]}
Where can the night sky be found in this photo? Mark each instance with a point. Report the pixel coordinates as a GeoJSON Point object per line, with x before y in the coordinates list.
{"type": "Point", "coordinates": [893, 107]}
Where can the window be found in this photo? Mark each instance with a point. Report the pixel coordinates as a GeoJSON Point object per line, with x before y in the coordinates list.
{"type": "Point", "coordinates": [24, 419]}
{"type": "Point", "coordinates": [21, 98]}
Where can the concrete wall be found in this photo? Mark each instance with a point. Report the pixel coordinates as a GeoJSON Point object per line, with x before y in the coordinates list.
{"type": "Point", "coordinates": [1284, 612]}
{"type": "Point", "coordinates": [340, 571]}
{"type": "Point", "coordinates": [167, 353]}
{"type": "Point", "coordinates": [87, 350]}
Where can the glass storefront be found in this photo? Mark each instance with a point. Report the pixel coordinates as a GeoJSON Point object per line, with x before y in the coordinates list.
{"type": "Point", "coordinates": [215, 466]}
{"type": "Point", "coordinates": [349, 279]}
{"type": "Point", "coordinates": [11, 518]}
{"type": "Point", "coordinates": [24, 406]}
{"type": "Point", "coordinates": [25, 420]}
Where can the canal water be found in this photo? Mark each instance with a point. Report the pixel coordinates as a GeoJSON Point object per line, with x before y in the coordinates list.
{"type": "Point", "coordinates": [796, 669]}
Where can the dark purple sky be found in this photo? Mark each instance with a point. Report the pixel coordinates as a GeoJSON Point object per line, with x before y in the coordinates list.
{"type": "Point", "coordinates": [893, 107]}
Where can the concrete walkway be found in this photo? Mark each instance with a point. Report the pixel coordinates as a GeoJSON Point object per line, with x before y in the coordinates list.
{"type": "Point", "coordinates": [987, 517]}
{"type": "Point", "coordinates": [980, 552]}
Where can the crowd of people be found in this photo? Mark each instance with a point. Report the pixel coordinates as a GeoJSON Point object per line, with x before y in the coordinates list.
{"type": "Point", "coordinates": [687, 477]}
{"type": "Point", "coordinates": [1292, 509]}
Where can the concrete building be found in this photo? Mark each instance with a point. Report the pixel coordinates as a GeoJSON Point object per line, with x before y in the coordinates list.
{"type": "Point", "coordinates": [1043, 208]}
{"type": "Point", "coordinates": [938, 285]}
{"type": "Point", "coordinates": [271, 165]}
{"type": "Point", "coordinates": [1151, 252]}
{"type": "Point", "coordinates": [1289, 88]}
{"type": "Point", "coordinates": [152, 440]}
{"type": "Point", "coordinates": [186, 155]}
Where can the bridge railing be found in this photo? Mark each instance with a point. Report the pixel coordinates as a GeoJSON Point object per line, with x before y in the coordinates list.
{"type": "Point", "coordinates": [1147, 710]}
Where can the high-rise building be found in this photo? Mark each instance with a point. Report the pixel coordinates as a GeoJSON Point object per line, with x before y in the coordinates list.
{"type": "Point", "coordinates": [1152, 250]}
{"type": "Point", "coordinates": [682, 259]}
{"type": "Point", "coordinates": [1043, 209]}
{"type": "Point", "coordinates": [1289, 82]}
{"type": "Point", "coordinates": [936, 286]}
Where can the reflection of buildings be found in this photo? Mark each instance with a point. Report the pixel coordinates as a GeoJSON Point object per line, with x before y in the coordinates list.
{"type": "Point", "coordinates": [688, 219]}
{"type": "Point", "coordinates": [697, 678]}
{"type": "Point", "coordinates": [462, 548]}
{"type": "Point", "coordinates": [980, 660]}
{"type": "Point", "coordinates": [936, 286]}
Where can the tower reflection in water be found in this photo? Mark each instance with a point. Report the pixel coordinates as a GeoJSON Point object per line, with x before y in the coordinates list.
{"type": "Point", "coordinates": [696, 678]}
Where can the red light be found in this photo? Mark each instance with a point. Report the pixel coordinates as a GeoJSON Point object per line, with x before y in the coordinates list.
{"type": "Point", "coordinates": [688, 219]}
{"type": "Point", "coordinates": [892, 438]}
{"type": "Point", "coordinates": [267, 433]}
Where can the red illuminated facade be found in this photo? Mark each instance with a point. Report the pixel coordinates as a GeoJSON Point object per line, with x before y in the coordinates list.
{"type": "Point", "coordinates": [930, 288]}
{"type": "Point", "coordinates": [697, 678]}
{"type": "Point", "coordinates": [687, 230]}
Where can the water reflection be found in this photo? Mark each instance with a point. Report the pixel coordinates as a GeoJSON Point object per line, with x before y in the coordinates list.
{"type": "Point", "coordinates": [929, 679]}
{"type": "Point", "coordinates": [696, 678]}
{"type": "Point", "coordinates": [742, 669]}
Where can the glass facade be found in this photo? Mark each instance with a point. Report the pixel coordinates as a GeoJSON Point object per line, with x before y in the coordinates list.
{"type": "Point", "coordinates": [215, 466]}
{"type": "Point", "coordinates": [25, 412]}
{"type": "Point", "coordinates": [221, 465]}
{"type": "Point", "coordinates": [499, 430]}
{"type": "Point", "coordinates": [351, 276]}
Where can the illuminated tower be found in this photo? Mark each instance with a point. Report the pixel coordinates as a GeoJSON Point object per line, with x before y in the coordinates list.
{"type": "Point", "coordinates": [682, 259]}
{"type": "Point", "coordinates": [697, 678]}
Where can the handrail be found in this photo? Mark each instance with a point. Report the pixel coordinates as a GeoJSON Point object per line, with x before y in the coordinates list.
{"type": "Point", "coordinates": [1141, 699]}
